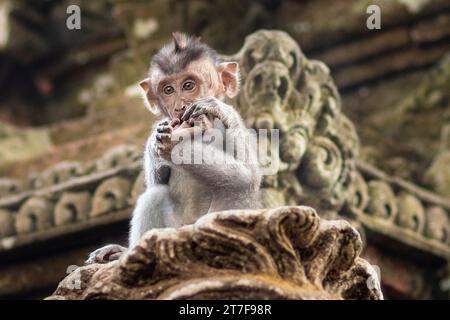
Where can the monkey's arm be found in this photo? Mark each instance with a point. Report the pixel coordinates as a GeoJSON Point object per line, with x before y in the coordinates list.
{"type": "Point", "coordinates": [151, 206]}
{"type": "Point", "coordinates": [156, 169]}
{"type": "Point", "coordinates": [216, 108]}
{"type": "Point", "coordinates": [234, 182]}
{"type": "Point", "coordinates": [155, 202]}
{"type": "Point", "coordinates": [151, 211]}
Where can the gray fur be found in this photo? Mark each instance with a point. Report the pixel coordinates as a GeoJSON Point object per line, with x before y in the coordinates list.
{"type": "Point", "coordinates": [175, 56]}
{"type": "Point", "coordinates": [196, 189]}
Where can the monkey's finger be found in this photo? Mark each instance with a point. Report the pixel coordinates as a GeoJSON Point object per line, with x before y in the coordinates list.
{"type": "Point", "coordinates": [164, 129]}
{"type": "Point", "coordinates": [188, 112]}
{"type": "Point", "coordinates": [163, 123]}
{"type": "Point", "coordinates": [196, 119]}
{"type": "Point", "coordinates": [102, 257]}
{"type": "Point", "coordinates": [161, 151]}
{"type": "Point", "coordinates": [200, 112]}
{"type": "Point", "coordinates": [115, 256]}
{"type": "Point", "coordinates": [174, 122]}
{"type": "Point", "coordinates": [163, 137]}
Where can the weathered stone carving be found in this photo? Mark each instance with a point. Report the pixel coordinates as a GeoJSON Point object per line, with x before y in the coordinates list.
{"type": "Point", "coordinates": [411, 214]}
{"type": "Point", "coordinates": [9, 186]}
{"type": "Point", "coordinates": [35, 214]}
{"type": "Point", "coordinates": [438, 174]}
{"type": "Point", "coordinates": [359, 192]}
{"type": "Point", "coordinates": [74, 201]}
{"type": "Point", "coordinates": [399, 203]}
{"type": "Point", "coordinates": [111, 195]}
{"type": "Point", "coordinates": [6, 223]}
{"type": "Point", "coordinates": [437, 224]}
{"type": "Point", "coordinates": [59, 173]}
{"type": "Point", "coordinates": [284, 90]}
{"type": "Point", "coordinates": [119, 156]}
{"type": "Point", "coordinates": [72, 207]}
{"type": "Point", "coordinates": [382, 201]}
{"type": "Point", "coordinates": [282, 253]}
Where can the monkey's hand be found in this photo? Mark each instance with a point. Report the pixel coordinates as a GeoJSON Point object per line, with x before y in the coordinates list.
{"type": "Point", "coordinates": [164, 143]}
{"type": "Point", "coordinates": [214, 108]}
{"type": "Point", "coordinates": [106, 254]}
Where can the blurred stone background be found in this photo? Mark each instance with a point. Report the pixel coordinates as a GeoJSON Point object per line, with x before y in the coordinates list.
{"type": "Point", "coordinates": [72, 94]}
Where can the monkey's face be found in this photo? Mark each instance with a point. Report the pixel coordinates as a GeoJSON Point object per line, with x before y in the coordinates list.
{"type": "Point", "coordinates": [176, 92]}
{"type": "Point", "coordinates": [171, 94]}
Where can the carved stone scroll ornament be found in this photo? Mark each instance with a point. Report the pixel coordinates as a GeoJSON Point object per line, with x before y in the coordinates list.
{"type": "Point", "coordinates": [438, 174]}
{"type": "Point", "coordinates": [382, 201]}
{"type": "Point", "coordinates": [6, 223]}
{"type": "Point", "coordinates": [35, 214]}
{"type": "Point", "coordinates": [398, 203]}
{"type": "Point", "coordinates": [72, 207]}
{"type": "Point", "coordinates": [284, 90]}
{"type": "Point", "coordinates": [437, 224]}
{"type": "Point", "coordinates": [61, 172]}
{"type": "Point", "coordinates": [411, 214]}
{"type": "Point", "coordinates": [9, 186]}
{"type": "Point", "coordinates": [119, 156]}
{"type": "Point", "coordinates": [282, 253]}
{"type": "Point", "coordinates": [110, 195]}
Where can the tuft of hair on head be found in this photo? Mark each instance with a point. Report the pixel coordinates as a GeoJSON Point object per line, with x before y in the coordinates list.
{"type": "Point", "coordinates": [182, 50]}
{"type": "Point", "coordinates": [179, 41]}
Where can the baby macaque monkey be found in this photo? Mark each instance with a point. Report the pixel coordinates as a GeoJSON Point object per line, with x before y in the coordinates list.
{"type": "Point", "coordinates": [187, 85]}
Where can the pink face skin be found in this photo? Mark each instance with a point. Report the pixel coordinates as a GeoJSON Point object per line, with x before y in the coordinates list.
{"type": "Point", "coordinates": [178, 91]}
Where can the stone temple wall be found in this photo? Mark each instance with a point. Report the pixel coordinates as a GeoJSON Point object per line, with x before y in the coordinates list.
{"type": "Point", "coordinates": [363, 118]}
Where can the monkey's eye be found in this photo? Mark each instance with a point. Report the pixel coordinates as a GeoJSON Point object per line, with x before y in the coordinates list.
{"type": "Point", "coordinates": [168, 90]}
{"type": "Point", "coordinates": [189, 85]}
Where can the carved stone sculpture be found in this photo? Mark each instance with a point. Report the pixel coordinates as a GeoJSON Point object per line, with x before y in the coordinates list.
{"type": "Point", "coordinates": [284, 90]}
{"type": "Point", "coordinates": [6, 223]}
{"type": "Point", "coordinates": [59, 173]}
{"type": "Point", "coordinates": [282, 253]}
{"type": "Point", "coordinates": [72, 207]}
{"type": "Point", "coordinates": [110, 195]}
{"type": "Point", "coordinates": [8, 187]}
{"type": "Point", "coordinates": [35, 214]}
{"type": "Point", "coordinates": [438, 174]}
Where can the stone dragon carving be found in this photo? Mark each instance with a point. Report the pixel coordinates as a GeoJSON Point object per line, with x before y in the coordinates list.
{"type": "Point", "coordinates": [282, 253]}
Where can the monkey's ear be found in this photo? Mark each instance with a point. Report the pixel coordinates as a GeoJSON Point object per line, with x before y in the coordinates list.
{"type": "Point", "coordinates": [230, 76]}
{"type": "Point", "coordinates": [149, 96]}
{"type": "Point", "coordinates": [145, 84]}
